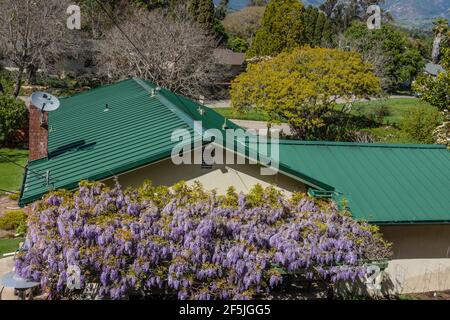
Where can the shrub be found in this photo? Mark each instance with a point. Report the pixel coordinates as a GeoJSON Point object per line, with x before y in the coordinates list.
{"type": "Point", "coordinates": [7, 80]}
{"type": "Point", "coordinates": [13, 196]}
{"type": "Point", "coordinates": [237, 44]}
{"type": "Point", "coordinates": [13, 116]}
{"type": "Point", "coordinates": [379, 112]}
{"type": "Point", "coordinates": [190, 242]}
{"type": "Point", "coordinates": [11, 220]}
{"type": "Point", "coordinates": [420, 123]}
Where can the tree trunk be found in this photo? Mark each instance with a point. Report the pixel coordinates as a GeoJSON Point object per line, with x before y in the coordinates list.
{"type": "Point", "coordinates": [436, 48]}
{"type": "Point", "coordinates": [18, 85]}
{"type": "Point", "coordinates": [32, 75]}
{"type": "Point", "coordinates": [269, 127]}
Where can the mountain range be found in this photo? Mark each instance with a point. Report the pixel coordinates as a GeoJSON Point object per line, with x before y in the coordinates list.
{"type": "Point", "coordinates": [408, 13]}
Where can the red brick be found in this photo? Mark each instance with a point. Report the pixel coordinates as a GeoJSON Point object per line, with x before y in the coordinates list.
{"type": "Point", "coordinates": [38, 136]}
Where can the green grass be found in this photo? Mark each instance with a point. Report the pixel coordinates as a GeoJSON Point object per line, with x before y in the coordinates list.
{"type": "Point", "coordinates": [398, 108]}
{"type": "Point", "coordinates": [9, 245]}
{"type": "Point", "coordinates": [250, 115]}
{"type": "Point", "coordinates": [388, 132]}
{"type": "Point", "coordinates": [11, 175]}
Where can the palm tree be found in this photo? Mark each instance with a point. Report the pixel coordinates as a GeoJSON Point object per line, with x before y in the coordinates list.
{"type": "Point", "coordinates": [440, 28]}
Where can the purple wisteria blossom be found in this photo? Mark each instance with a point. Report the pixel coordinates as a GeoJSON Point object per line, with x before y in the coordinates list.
{"type": "Point", "coordinates": [190, 242]}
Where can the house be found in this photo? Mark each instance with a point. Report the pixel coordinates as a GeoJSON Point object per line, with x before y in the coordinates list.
{"type": "Point", "coordinates": [125, 130]}
{"type": "Point", "coordinates": [232, 64]}
{"type": "Point", "coordinates": [433, 69]}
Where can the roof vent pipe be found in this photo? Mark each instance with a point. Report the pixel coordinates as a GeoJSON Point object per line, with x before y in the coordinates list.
{"type": "Point", "coordinates": [154, 92]}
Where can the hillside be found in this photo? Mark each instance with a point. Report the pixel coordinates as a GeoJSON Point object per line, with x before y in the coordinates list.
{"type": "Point", "coordinates": [408, 13]}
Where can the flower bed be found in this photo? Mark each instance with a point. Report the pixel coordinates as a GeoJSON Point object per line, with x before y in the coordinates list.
{"type": "Point", "coordinates": [190, 241]}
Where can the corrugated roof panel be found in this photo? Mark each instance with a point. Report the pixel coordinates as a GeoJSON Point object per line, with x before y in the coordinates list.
{"type": "Point", "coordinates": [383, 183]}
{"type": "Point", "coordinates": [135, 131]}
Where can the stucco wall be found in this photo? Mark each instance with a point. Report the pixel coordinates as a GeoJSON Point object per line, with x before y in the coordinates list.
{"type": "Point", "coordinates": [421, 259]}
{"type": "Point", "coordinates": [220, 177]}
{"type": "Point", "coordinates": [419, 241]}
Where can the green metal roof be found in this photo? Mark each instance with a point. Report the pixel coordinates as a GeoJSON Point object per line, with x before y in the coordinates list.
{"type": "Point", "coordinates": [98, 144]}
{"type": "Point", "coordinates": [382, 183]}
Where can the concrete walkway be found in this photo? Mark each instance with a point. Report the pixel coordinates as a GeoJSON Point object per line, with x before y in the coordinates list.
{"type": "Point", "coordinates": [6, 265]}
{"type": "Point", "coordinates": [261, 125]}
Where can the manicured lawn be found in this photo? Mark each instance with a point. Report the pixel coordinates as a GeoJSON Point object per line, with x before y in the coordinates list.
{"type": "Point", "coordinates": [11, 175]}
{"type": "Point", "coordinates": [389, 132]}
{"type": "Point", "coordinates": [9, 245]}
{"type": "Point", "coordinates": [398, 108]}
{"type": "Point", "coordinates": [250, 115]}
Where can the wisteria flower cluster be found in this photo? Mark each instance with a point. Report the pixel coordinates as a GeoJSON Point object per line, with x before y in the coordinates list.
{"type": "Point", "coordinates": [190, 242]}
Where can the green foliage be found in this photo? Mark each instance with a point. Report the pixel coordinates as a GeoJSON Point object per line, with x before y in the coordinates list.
{"type": "Point", "coordinates": [13, 219]}
{"type": "Point", "coordinates": [379, 112]}
{"type": "Point", "coordinates": [203, 12]}
{"type": "Point", "coordinates": [318, 28]}
{"type": "Point", "coordinates": [13, 116]}
{"type": "Point", "coordinates": [402, 61]}
{"type": "Point", "coordinates": [434, 90]}
{"type": "Point", "coordinates": [301, 86]}
{"type": "Point", "coordinates": [420, 124]}
{"type": "Point", "coordinates": [230, 200]}
{"type": "Point", "coordinates": [6, 82]}
{"type": "Point", "coordinates": [13, 196]}
{"type": "Point", "coordinates": [237, 44]}
{"type": "Point", "coordinates": [219, 31]}
{"type": "Point", "coordinates": [282, 28]}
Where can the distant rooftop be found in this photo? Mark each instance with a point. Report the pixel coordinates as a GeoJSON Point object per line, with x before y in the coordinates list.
{"type": "Point", "coordinates": [433, 69]}
{"type": "Point", "coordinates": [228, 57]}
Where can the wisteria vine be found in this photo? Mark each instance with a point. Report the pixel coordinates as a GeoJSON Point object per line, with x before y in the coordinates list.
{"type": "Point", "coordinates": [190, 242]}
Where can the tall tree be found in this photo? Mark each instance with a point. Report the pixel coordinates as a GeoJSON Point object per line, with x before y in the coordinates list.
{"type": "Point", "coordinates": [302, 86]}
{"type": "Point", "coordinates": [33, 32]}
{"type": "Point", "coordinates": [343, 13]}
{"type": "Point", "coordinates": [202, 11]}
{"type": "Point", "coordinates": [318, 28]}
{"type": "Point", "coordinates": [222, 9]}
{"type": "Point", "coordinates": [389, 50]}
{"type": "Point", "coordinates": [174, 51]}
{"type": "Point", "coordinates": [282, 28]}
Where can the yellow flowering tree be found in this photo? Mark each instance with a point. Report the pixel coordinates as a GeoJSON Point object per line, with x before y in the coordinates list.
{"type": "Point", "coordinates": [301, 86]}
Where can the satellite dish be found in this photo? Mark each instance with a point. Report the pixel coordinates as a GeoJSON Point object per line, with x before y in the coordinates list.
{"type": "Point", "coordinates": [45, 101]}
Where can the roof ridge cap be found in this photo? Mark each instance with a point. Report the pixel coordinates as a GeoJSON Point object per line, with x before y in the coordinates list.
{"type": "Point", "coordinates": [364, 145]}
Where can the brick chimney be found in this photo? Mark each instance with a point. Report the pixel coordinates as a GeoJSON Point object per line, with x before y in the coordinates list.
{"type": "Point", "coordinates": [38, 135]}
